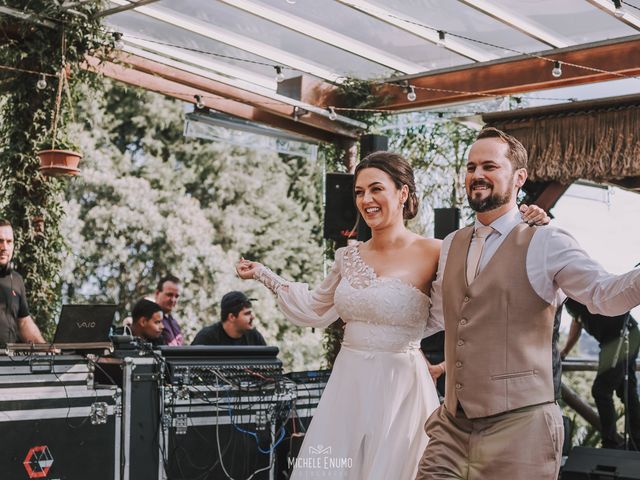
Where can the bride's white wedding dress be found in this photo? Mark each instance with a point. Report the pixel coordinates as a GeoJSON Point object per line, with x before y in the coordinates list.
{"type": "Point", "coordinates": [369, 423]}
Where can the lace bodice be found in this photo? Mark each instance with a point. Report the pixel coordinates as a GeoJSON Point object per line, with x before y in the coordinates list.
{"type": "Point", "coordinates": [363, 296]}
{"type": "Point", "coordinates": [380, 313]}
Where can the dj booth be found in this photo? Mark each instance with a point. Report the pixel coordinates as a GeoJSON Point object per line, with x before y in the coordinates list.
{"type": "Point", "coordinates": [136, 414]}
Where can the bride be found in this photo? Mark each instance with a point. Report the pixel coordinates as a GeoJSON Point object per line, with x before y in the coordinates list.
{"type": "Point", "coordinates": [369, 422]}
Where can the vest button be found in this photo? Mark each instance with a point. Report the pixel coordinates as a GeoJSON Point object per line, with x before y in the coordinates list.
{"type": "Point", "coordinates": [460, 343]}
{"type": "Point", "coordinates": [458, 364]}
{"type": "Point", "coordinates": [463, 321]}
{"type": "Point", "coordinates": [466, 299]}
{"type": "Point", "coordinates": [458, 386]}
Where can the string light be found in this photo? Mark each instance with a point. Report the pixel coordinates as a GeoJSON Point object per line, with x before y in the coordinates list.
{"type": "Point", "coordinates": [332, 113]}
{"type": "Point", "coordinates": [299, 112]}
{"type": "Point", "coordinates": [411, 93]}
{"type": "Point", "coordinates": [199, 104]}
{"type": "Point", "coordinates": [279, 74]}
{"type": "Point", "coordinates": [392, 82]}
{"type": "Point", "coordinates": [441, 38]}
{"type": "Point", "coordinates": [41, 84]}
{"type": "Point", "coordinates": [557, 69]}
{"type": "Point", "coordinates": [619, 12]}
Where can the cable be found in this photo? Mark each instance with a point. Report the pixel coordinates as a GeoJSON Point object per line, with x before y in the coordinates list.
{"type": "Point", "coordinates": [630, 5]}
{"type": "Point", "coordinates": [254, 434]}
{"type": "Point", "coordinates": [24, 70]}
{"type": "Point", "coordinates": [214, 54]}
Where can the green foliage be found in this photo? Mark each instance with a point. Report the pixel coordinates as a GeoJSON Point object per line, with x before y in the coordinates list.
{"type": "Point", "coordinates": [581, 432]}
{"type": "Point", "coordinates": [151, 201]}
{"type": "Point", "coordinates": [360, 94]}
{"type": "Point", "coordinates": [62, 143]}
{"type": "Point", "coordinates": [437, 150]}
{"type": "Point", "coordinates": [26, 119]}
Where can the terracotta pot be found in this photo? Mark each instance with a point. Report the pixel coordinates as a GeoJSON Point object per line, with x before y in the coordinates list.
{"type": "Point", "coordinates": [59, 162]}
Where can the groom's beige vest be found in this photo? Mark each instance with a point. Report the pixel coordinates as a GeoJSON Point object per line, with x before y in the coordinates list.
{"type": "Point", "coordinates": [498, 331]}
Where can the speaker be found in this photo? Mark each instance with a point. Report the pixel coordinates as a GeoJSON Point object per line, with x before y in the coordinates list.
{"type": "Point", "coordinates": [372, 143]}
{"type": "Point", "coordinates": [601, 464]}
{"type": "Point", "coordinates": [446, 220]}
{"type": "Point", "coordinates": [339, 212]}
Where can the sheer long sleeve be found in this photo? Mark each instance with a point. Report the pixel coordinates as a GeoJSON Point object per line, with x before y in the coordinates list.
{"type": "Point", "coordinates": [301, 305]}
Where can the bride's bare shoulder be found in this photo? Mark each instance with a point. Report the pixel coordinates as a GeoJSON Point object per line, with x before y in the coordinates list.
{"type": "Point", "coordinates": [428, 246]}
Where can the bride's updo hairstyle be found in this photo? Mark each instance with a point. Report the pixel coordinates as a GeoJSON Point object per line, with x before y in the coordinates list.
{"type": "Point", "coordinates": [400, 172]}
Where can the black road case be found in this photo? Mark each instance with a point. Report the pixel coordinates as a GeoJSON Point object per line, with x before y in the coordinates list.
{"type": "Point", "coordinates": [55, 424]}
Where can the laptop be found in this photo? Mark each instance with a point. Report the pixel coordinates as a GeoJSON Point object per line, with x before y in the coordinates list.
{"type": "Point", "coordinates": [80, 327]}
{"type": "Point", "coordinates": [84, 324]}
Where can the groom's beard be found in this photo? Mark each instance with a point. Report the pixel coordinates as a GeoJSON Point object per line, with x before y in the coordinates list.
{"type": "Point", "coordinates": [493, 201]}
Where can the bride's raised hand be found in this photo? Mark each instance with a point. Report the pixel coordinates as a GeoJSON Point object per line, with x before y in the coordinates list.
{"type": "Point", "coordinates": [246, 268]}
{"type": "Point", "coordinates": [534, 215]}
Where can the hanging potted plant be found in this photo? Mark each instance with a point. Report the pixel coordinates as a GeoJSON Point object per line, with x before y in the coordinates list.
{"type": "Point", "coordinates": [59, 156]}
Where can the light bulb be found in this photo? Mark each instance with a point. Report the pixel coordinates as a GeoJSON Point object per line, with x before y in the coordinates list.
{"type": "Point", "coordinates": [441, 39]}
{"type": "Point", "coordinates": [411, 95]}
{"type": "Point", "coordinates": [199, 104]}
{"type": "Point", "coordinates": [332, 113]}
{"type": "Point", "coordinates": [279, 74]}
{"type": "Point", "coordinates": [557, 70]}
{"type": "Point", "coordinates": [41, 84]}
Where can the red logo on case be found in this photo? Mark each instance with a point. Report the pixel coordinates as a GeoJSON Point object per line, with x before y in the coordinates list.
{"type": "Point", "coordinates": [38, 462]}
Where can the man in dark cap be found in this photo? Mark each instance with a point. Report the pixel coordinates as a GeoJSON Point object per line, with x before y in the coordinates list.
{"type": "Point", "coordinates": [235, 326]}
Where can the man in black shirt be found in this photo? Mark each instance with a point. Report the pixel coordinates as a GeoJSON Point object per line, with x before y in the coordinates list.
{"type": "Point", "coordinates": [15, 322]}
{"type": "Point", "coordinates": [236, 325]}
{"type": "Point", "coordinates": [611, 368]}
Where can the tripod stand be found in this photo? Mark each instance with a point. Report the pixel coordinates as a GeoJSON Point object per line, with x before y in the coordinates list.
{"type": "Point", "coordinates": [623, 344]}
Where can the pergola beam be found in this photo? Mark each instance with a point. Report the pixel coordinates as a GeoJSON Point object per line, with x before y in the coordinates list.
{"type": "Point", "coordinates": [518, 23]}
{"type": "Point", "coordinates": [408, 25]}
{"type": "Point", "coordinates": [124, 8]}
{"type": "Point", "coordinates": [611, 60]}
{"type": "Point", "coordinates": [325, 35]}
{"type": "Point", "coordinates": [209, 86]}
{"type": "Point", "coordinates": [185, 86]}
{"type": "Point", "coordinates": [609, 7]}
{"type": "Point", "coordinates": [628, 183]}
{"type": "Point", "coordinates": [164, 57]}
{"type": "Point", "coordinates": [550, 195]}
{"type": "Point", "coordinates": [276, 55]}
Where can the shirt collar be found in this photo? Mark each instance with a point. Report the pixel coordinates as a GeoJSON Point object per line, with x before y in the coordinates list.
{"type": "Point", "coordinates": [504, 224]}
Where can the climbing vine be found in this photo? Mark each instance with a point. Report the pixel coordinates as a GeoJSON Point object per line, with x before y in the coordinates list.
{"type": "Point", "coordinates": [40, 43]}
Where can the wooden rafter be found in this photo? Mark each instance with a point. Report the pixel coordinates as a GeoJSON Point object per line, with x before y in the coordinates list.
{"type": "Point", "coordinates": [246, 105]}
{"type": "Point", "coordinates": [518, 75]}
{"type": "Point", "coordinates": [217, 88]}
{"type": "Point", "coordinates": [628, 183]}
{"type": "Point", "coordinates": [550, 195]}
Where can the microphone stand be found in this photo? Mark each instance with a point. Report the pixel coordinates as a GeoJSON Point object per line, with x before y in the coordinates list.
{"type": "Point", "coordinates": [624, 342]}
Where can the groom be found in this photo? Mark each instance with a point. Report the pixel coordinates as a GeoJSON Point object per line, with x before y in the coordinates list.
{"type": "Point", "coordinates": [497, 290]}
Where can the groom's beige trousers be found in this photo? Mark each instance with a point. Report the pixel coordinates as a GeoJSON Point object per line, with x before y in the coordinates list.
{"type": "Point", "coordinates": [525, 444]}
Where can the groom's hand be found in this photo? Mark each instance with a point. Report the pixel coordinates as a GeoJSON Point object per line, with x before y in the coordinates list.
{"type": "Point", "coordinates": [436, 370]}
{"type": "Point", "coordinates": [534, 215]}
